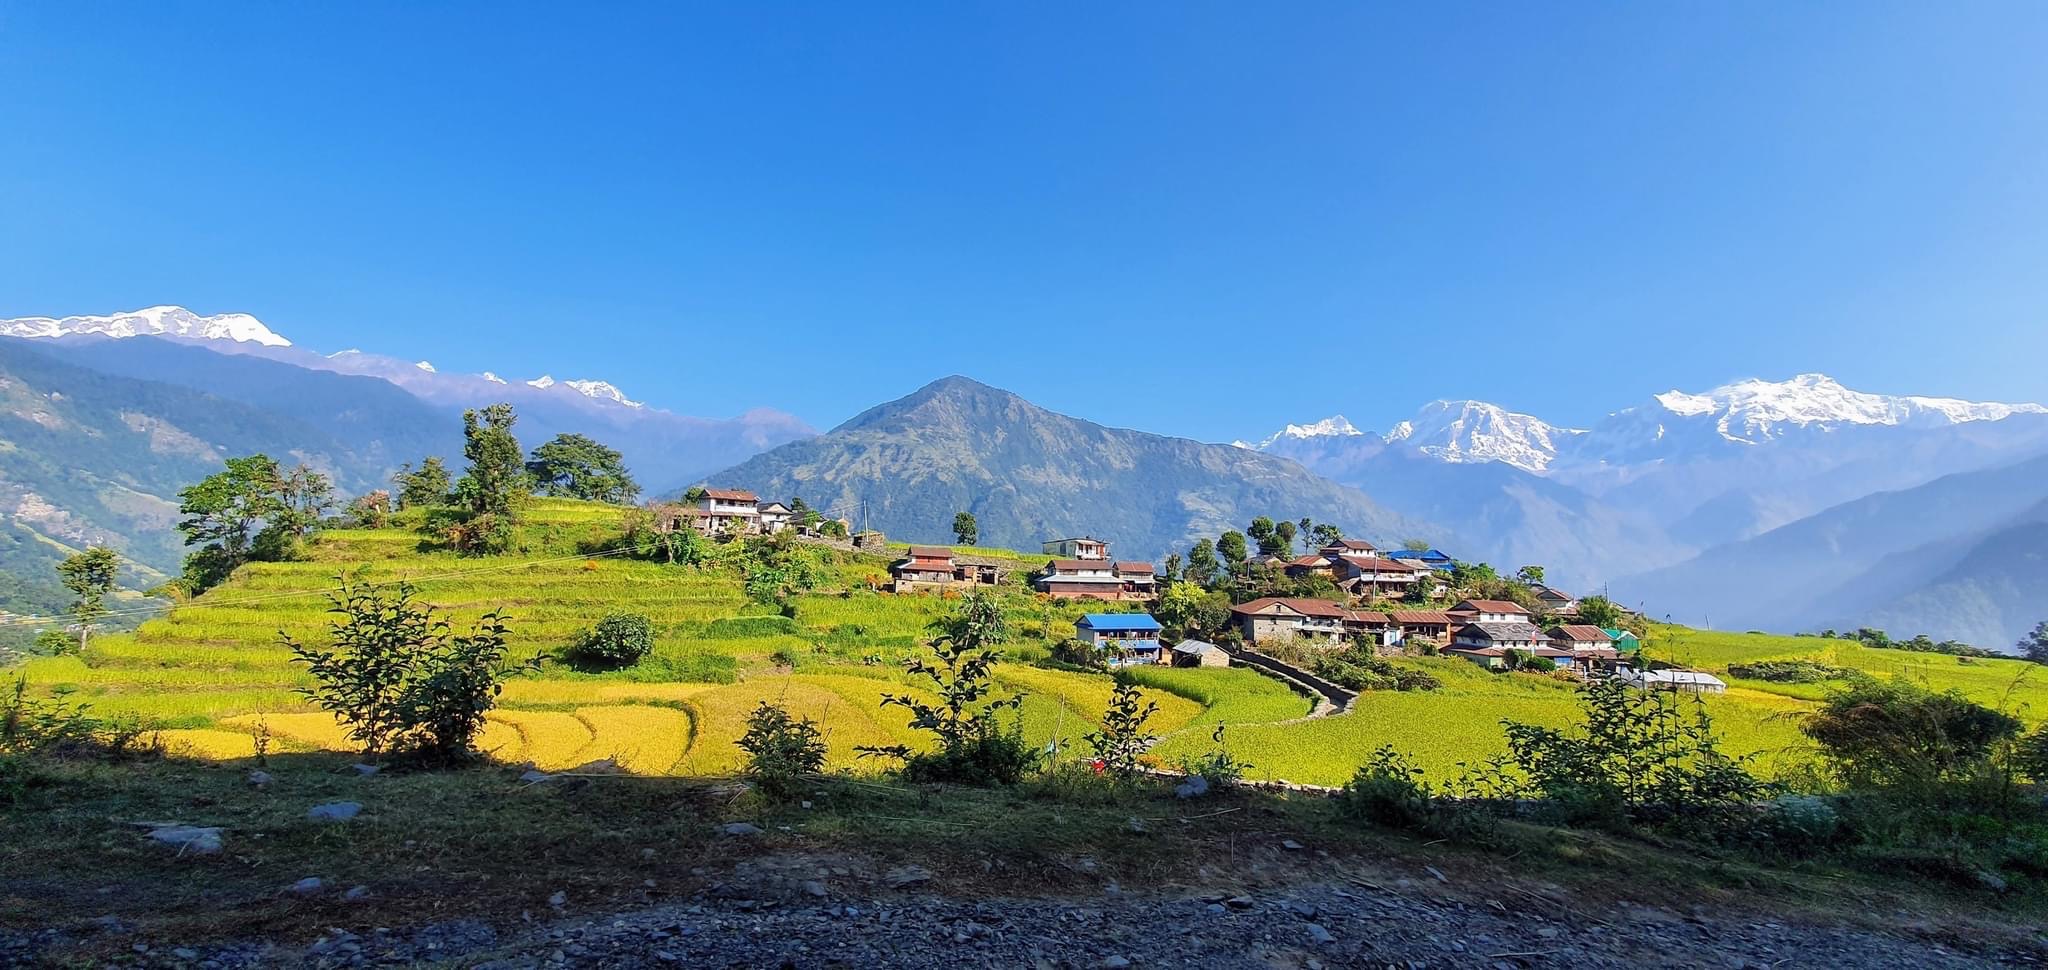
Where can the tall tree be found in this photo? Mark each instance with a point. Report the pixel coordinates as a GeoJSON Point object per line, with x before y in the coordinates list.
{"type": "Point", "coordinates": [1202, 564]}
{"type": "Point", "coordinates": [1232, 548]}
{"type": "Point", "coordinates": [579, 467]}
{"type": "Point", "coordinates": [1283, 534]}
{"type": "Point", "coordinates": [965, 529]}
{"type": "Point", "coordinates": [1171, 574]}
{"type": "Point", "coordinates": [426, 486]}
{"type": "Point", "coordinates": [496, 479]}
{"type": "Point", "coordinates": [1325, 534]}
{"type": "Point", "coordinates": [1529, 575]}
{"type": "Point", "coordinates": [304, 496]}
{"type": "Point", "coordinates": [90, 575]}
{"type": "Point", "coordinates": [1599, 611]}
{"type": "Point", "coordinates": [2034, 646]}
{"type": "Point", "coordinates": [1262, 532]}
{"type": "Point", "coordinates": [222, 514]}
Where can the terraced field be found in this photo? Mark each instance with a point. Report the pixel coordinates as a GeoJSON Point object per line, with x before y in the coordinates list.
{"type": "Point", "coordinates": [213, 673]}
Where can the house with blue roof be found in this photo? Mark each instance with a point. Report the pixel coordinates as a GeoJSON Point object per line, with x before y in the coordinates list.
{"type": "Point", "coordinates": [1433, 558]}
{"type": "Point", "coordinates": [1128, 638]}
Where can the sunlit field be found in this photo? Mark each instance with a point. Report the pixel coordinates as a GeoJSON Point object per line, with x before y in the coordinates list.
{"type": "Point", "coordinates": [214, 674]}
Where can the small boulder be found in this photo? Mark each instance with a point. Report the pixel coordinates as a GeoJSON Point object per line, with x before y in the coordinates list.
{"type": "Point", "coordinates": [815, 888]}
{"type": "Point", "coordinates": [739, 829]}
{"type": "Point", "coordinates": [534, 777]}
{"type": "Point", "coordinates": [334, 811]}
{"type": "Point", "coordinates": [366, 770]}
{"type": "Point", "coordinates": [356, 894]}
{"type": "Point", "coordinates": [1195, 787]}
{"type": "Point", "coordinates": [1115, 962]}
{"type": "Point", "coordinates": [194, 839]}
{"type": "Point", "coordinates": [1290, 845]}
{"type": "Point", "coordinates": [1317, 934]}
{"type": "Point", "coordinates": [309, 886]}
{"type": "Point", "coordinates": [903, 877]}
{"type": "Point", "coordinates": [260, 778]}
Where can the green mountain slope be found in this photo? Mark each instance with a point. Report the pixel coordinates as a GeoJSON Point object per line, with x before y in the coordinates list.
{"type": "Point", "coordinates": [1029, 474]}
{"type": "Point", "coordinates": [88, 457]}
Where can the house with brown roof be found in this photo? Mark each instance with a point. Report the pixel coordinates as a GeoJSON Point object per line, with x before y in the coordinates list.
{"type": "Point", "coordinates": [1589, 646]}
{"type": "Point", "coordinates": [1428, 624]}
{"type": "Point", "coordinates": [1097, 578]}
{"type": "Point", "coordinates": [1279, 618]}
{"type": "Point", "coordinates": [1554, 600]}
{"type": "Point", "coordinates": [936, 568]}
{"type": "Point", "coordinates": [722, 510]}
{"type": "Point", "coordinates": [1139, 578]}
{"type": "Point", "coordinates": [1489, 611]}
{"type": "Point", "coordinates": [775, 517]}
{"type": "Point", "coordinates": [1371, 575]}
{"type": "Point", "coordinates": [1305, 566]}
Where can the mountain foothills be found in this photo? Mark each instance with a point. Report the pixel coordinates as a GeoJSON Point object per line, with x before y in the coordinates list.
{"type": "Point", "coordinates": [1028, 474]}
{"type": "Point", "coordinates": [1792, 505]}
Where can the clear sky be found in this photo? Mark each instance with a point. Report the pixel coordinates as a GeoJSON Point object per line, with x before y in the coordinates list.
{"type": "Point", "coordinates": [1198, 219]}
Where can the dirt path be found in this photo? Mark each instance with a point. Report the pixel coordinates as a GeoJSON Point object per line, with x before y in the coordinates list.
{"type": "Point", "coordinates": [805, 913]}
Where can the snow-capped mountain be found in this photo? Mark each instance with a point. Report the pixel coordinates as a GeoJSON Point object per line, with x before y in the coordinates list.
{"type": "Point", "coordinates": [1452, 431]}
{"type": "Point", "coordinates": [663, 447]}
{"type": "Point", "coordinates": [160, 321]}
{"type": "Point", "coordinates": [1475, 431]}
{"type": "Point", "coordinates": [1755, 412]}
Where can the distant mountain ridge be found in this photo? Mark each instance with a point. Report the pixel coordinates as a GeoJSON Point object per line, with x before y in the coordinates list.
{"type": "Point", "coordinates": [664, 448]}
{"type": "Point", "coordinates": [1029, 474]}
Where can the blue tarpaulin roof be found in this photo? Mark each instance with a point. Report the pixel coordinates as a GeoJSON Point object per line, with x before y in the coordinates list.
{"type": "Point", "coordinates": [1119, 621]}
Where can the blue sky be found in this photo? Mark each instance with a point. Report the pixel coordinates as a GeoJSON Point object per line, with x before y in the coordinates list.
{"type": "Point", "coordinates": [1190, 218]}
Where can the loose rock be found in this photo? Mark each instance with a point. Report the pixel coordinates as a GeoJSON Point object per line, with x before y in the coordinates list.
{"type": "Point", "coordinates": [193, 839]}
{"type": "Point", "coordinates": [334, 811]}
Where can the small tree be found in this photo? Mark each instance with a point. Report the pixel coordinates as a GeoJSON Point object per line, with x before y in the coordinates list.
{"type": "Point", "coordinates": [1635, 756]}
{"type": "Point", "coordinates": [972, 746]}
{"type": "Point", "coordinates": [2034, 646]}
{"type": "Point", "coordinates": [781, 750]}
{"type": "Point", "coordinates": [1599, 611]}
{"type": "Point", "coordinates": [1325, 535]}
{"type": "Point", "coordinates": [1232, 548]}
{"type": "Point", "coordinates": [398, 680]}
{"type": "Point", "coordinates": [427, 486]}
{"type": "Point", "coordinates": [496, 480]}
{"type": "Point", "coordinates": [1529, 575]}
{"type": "Point", "coordinates": [1890, 734]}
{"type": "Point", "coordinates": [1202, 564]}
{"type": "Point", "coordinates": [1123, 737]}
{"type": "Point", "coordinates": [965, 530]}
{"type": "Point", "coordinates": [89, 575]}
{"type": "Point", "coordinates": [371, 510]}
{"type": "Point", "coordinates": [618, 640]}
{"type": "Point", "coordinates": [222, 514]}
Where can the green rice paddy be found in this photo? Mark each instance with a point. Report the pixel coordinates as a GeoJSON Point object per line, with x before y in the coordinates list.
{"type": "Point", "coordinates": [214, 672]}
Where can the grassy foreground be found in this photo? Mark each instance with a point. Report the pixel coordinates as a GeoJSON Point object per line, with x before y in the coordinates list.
{"type": "Point", "coordinates": [214, 677]}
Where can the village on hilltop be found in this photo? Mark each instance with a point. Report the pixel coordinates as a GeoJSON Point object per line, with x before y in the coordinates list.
{"type": "Point", "coordinates": [1527, 625]}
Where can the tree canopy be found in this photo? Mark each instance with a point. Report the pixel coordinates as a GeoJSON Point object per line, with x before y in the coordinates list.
{"type": "Point", "coordinates": [576, 466]}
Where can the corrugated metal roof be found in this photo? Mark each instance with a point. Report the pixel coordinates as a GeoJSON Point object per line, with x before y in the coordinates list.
{"type": "Point", "coordinates": [1119, 621]}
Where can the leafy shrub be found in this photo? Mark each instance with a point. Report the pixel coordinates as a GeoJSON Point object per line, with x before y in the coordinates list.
{"type": "Point", "coordinates": [973, 748]}
{"type": "Point", "coordinates": [618, 640]}
{"type": "Point", "coordinates": [1122, 738]}
{"type": "Point", "coordinates": [399, 681]}
{"type": "Point", "coordinates": [735, 627]}
{"type": "Point", "coordinates": [1787, 671]}
{"type": "Point", "coordinates": [2031, 756]}
{"type": "Point", "coordinates": [1359, 668]}
{"type": "Point", "coordinates": [781, 750]}
{"type": "Point", "coordinates": [1635, 757]}
{"type": "Point", "coordinates": [1218, 767]}
{"type": "Point", "coordinates": [1880, 734]}
{"type": "Point", "coordinates": [1389, 791]}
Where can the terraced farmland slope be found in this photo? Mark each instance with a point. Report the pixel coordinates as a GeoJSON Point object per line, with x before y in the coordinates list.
{"type": "Point", "coordinates": [213, 673]}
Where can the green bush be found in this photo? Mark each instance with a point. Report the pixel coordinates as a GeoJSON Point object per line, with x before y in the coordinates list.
{"type": "Point", "coordinates": [1359, 668]}
{"type": "Point", "coordinates": [735, 627]}
{"type": "Point", "coordinates": [781, 750]}
{"type": "Point", "coordinates": [399, 681]}
{"type": "Point", "coordinates": [618, 640]}
{"type": "Point", "coordinates": [1787, 671]}
{"type": "Point", "coordinates": [1123, 737]}
{"type": "Point", "coordinates": [973, 748]}
{"type": "Point", "coordinates": [1890, 734]}
{"type": "Point", "coordinates": [1389, 791]}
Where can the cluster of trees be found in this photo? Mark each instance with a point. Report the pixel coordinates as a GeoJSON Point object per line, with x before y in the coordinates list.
{"type": "Point", "coordinates": [1871, 637]}
{"type": "Point", "coordinates": [253, 509]}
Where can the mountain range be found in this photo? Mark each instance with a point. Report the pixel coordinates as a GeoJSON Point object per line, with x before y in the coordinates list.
{"type": "Point", "coordinates": [1790, 504]}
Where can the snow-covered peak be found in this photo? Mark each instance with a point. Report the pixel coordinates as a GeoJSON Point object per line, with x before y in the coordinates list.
{"type": "Point", "coordinates": [543, 382]}
{"type": "Point", "coordinates": [603, 391]}
{"type": "Point", "coordinates": [493, 378]}
{"type": "Point", "coordinates": [1334, 426]}
{"type": "Point", "coordinates": [167, 321]}
{"type": "Point", "coordinates": [423, 365]}
{"type": "Point", "coordinates": [1475, 431]}
{"type": "Point", "coordinates": [1753, 411]}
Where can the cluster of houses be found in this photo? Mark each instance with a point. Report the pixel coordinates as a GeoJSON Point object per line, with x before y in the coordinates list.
{"type": "Point", "coordinates": [1486, 632]}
